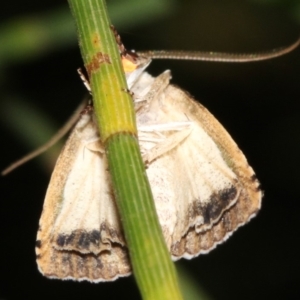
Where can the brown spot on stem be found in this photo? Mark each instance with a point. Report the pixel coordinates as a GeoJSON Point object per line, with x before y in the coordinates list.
{"type": "Point", "coordinates": [96, 61]}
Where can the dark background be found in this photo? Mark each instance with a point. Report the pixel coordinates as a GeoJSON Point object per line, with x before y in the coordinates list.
{"type": "Point", "coordinates": [258, 103]}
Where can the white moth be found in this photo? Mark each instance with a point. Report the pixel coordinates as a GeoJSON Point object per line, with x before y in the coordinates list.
{"type": "Point", "coordinates": [202, 185]}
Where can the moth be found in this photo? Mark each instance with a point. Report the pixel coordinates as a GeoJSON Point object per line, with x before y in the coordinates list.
{"type": "Point", "coordinates": [203, 186]}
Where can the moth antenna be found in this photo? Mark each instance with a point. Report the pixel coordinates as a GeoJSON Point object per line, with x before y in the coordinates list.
{"type": "Point", "coordinates": [60, 133]}
{"type": "Point", "coordinates": [219, 56]}
{"type": "Point", "coordinates": [84, 80]}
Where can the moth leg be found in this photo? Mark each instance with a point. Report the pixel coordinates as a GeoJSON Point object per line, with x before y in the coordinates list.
{"type": "Point", "coordinates": [158, 86]}
{"type": "Point", "coordinates": [162, 144]}
{"type": "Point", "coordinates": [119, 42]}
{"type": "Point", "coordinates": [165, 127]}
{"type": "Point", "coordinates": [165, 136]}
{"type": "Point", "coordinates": [128, 91]}
{"type": "Point", "coordinates": [144, 96]}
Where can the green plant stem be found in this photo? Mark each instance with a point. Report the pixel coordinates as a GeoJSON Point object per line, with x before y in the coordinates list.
{"type": "Point", "coordinates": [150, 259]}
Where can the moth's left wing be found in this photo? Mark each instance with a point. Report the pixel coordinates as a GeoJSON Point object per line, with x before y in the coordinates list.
{"type": "Point", "coordinates": [79, 235]}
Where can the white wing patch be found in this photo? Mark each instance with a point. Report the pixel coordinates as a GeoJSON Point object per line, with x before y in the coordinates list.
{"type": "Point", "coordinates": [80, 235]}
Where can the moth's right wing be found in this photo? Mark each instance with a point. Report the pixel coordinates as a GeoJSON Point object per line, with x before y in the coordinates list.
{"type": "Point", "coordinates": [203, 186]}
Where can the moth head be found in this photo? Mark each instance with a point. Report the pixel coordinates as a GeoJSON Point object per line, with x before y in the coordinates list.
{"type": "Point", "coordinates": [133, 66]}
